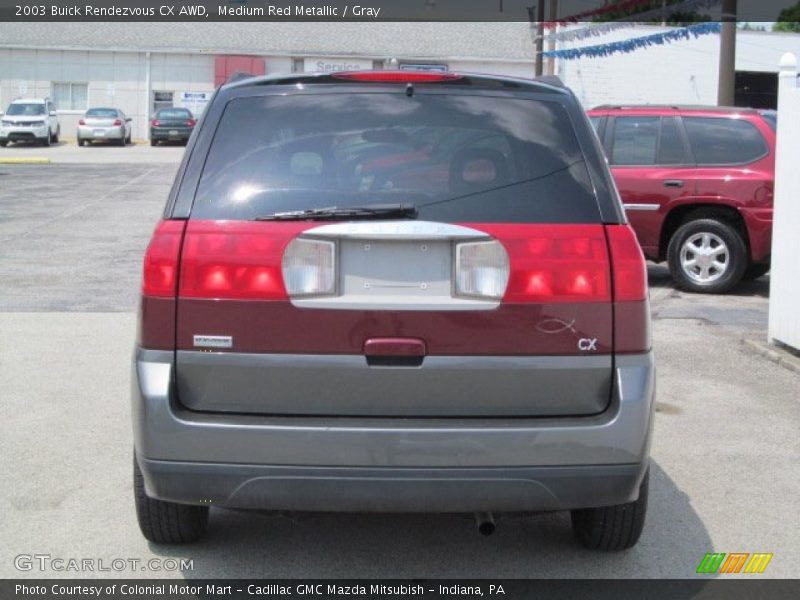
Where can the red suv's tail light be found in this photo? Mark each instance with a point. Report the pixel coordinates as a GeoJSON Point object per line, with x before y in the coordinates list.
{"type": "Point", "coordinates": [161, 260]}
{"type": "Point", "coordinates": [81, 122]}
{"type": "Point", "coordinates": [555, 263]}
{"type": "Point", "coordinates": [627, 260]}
{"type": "Point", "coordinates": [155, 123]}
{"type": "Point", "coordinates": [191, 122]}
{"type": "Point", "coordinates": [397, 76]}
{"type": "Point", "coordinates": [117, 122]}
{"type": "Point", "coordinates": [235, 259]}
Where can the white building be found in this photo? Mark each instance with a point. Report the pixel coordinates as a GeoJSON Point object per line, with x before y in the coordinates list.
{"type": "Point", "coordinates": [140, 67]}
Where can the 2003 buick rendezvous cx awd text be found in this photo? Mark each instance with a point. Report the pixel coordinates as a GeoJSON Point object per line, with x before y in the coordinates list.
{"type": "Point", "coordinates": [394, 291]}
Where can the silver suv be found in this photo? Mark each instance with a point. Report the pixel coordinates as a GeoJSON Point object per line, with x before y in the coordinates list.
{"type": "Point", "coordinates": [30, 120]}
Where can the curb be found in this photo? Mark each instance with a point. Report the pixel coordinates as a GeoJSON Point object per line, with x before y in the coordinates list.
{"type": "Point", "coordinates": [24, 161]}
{"type": "Point", "coordinates": [775, 354]}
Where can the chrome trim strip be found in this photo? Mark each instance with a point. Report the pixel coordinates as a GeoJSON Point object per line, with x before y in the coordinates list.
{"type": "Point", "coordinates": [642, 206]}
{"type": "Point", "coordinates": [395, 230]}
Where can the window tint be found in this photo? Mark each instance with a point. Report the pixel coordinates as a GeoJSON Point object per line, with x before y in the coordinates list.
{"type": "Point", "coordinates": [458, 158]}
{"type": "Point", "coordinates": [174, 113]}
{"type": "Point", "coordinates": [635, 141]}
{"type": "Point", "coordinates": [721, 141]}
{"type": "Point", "coordinates": [670, 147]}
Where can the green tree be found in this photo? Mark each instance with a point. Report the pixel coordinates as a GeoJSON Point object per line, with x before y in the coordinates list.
{"type": "Point", "coordinates": [788, 19]}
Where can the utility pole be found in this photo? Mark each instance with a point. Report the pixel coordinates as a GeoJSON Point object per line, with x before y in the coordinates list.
{"type": "Point", "coordinates": [552, 15]}
{"type": "Point", "coordinates": [539, 43]}
{"type": "Point", "coordinates": [727, 55]}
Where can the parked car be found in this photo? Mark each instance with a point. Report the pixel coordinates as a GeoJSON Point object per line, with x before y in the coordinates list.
{"type": "Point", "coordinates": [697, 183]}
{"type": "Point", "coordinates": [394, 291]}
{"type": "Point", "coordinates": [30, 120]}
{"type": "Point", "coordinates": [104, 124]}
{"type": "Point", "coordinates": [171, 125]}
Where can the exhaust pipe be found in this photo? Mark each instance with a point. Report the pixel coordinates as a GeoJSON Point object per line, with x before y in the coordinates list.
{"type": "Point", "coordinates": [484, 521]}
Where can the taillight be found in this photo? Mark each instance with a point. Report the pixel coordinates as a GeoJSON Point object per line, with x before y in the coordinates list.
{"type": "Point", "coordinates": [627, 262]}
{"type": "Point", "coordinates": [397, 76]}
{"type": "Point", "coordinates": [117, 122]}
{"type": "Point", "coordinates": [191, 122]}
{"type": "Point", "coordinates": [238, 260]}
{"type": "Point", "coordinates": [309, 268]}
{"type": "Point", "coordinates": [482, 269]}
{"type": "Point", "coordinates": [554, 263]}
{"type": "Point", "coordinates": [155, 123]}
{"type": "Point", "coordinates": [81, 122]}
{"type": "Point", "coordinates": [161, 260]}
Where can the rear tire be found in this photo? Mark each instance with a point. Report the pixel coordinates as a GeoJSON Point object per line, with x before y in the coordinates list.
{"type": "Point", "coordinates": [612, 528]}
{"type": "Point", "coordinates": [57, 135]}
{"type": "Point", "coordinates": [166, 522]}
{"type": "Point", "coordinates": [3, 144]}
{"type": "Point", "coordinates": [153, 142]}
{"type": "Point", "coordinates": [707, 256]}
{"type": "Point", "coordinates": [755, 271]}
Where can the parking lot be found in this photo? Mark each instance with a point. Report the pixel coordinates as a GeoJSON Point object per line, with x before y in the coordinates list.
{"type": "Point", "coordinates": [725, 450]}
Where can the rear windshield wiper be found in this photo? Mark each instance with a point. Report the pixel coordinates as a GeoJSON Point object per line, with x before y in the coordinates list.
{"type": "Point", "coordinates": [371, 211]}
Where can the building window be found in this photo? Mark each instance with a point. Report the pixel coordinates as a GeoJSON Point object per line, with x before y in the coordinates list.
{"type": "Point", "coordinates": [71, 96]}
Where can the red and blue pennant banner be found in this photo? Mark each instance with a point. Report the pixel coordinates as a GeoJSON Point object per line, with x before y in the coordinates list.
{"type": "Point", "coordinates": [664, 13]}
{"type": "Point", "coordinates": [631, 45]}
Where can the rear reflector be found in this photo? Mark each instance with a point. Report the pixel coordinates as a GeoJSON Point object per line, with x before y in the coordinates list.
{"type": "Point", "coordinates": [481, 269]}
{"type": "Point", "coordinates": [161, 260]}
{"type": "Point", "coordinates": [630, 270]}
{"type": "Point", "coordinates": [309, 268]}
{"type": "Point", "coordinates": [397, 76]}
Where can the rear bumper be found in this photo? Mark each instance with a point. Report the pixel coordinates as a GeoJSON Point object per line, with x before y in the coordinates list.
{"type": "Point", "coordinates": [164, 134]}
{"type": "Point", "coordinates": [391, 464]}
{"type": "Point", "coordinates": [108, 133]}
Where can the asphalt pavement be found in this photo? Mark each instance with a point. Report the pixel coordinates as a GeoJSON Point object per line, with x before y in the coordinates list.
{"type": "Point", "coordinates": [725, 450]}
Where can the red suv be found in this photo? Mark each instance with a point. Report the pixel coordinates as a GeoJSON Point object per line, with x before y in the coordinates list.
{"type": "Point", "coordinates": [394, 291]}
{"type": "Point", "coordinates": [697, 186]}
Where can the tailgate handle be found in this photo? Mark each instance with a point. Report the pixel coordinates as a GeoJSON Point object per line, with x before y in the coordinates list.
{"type": "Point", "coordinates": [394, 352]}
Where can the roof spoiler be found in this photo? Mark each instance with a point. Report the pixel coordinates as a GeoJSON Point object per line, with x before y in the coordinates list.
{"type": "Point", "coordinates": [553, 80]}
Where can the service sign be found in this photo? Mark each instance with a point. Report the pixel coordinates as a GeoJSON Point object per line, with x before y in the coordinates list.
{"type": "Point", "coordinates": [330, 65]}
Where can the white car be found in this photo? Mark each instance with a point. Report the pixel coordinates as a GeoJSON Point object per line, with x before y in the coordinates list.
{"type": "Point", "coordinates": [30, 120]}
{"type": "Point", "coordinates": [104, 124]}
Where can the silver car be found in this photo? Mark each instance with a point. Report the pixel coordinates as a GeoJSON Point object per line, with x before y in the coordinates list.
{"type": "Point", "coordinates": [104, 124]}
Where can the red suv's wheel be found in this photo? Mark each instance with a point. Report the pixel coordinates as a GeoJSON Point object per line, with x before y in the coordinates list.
{"type": "Point", "coordinates": [707, 256]}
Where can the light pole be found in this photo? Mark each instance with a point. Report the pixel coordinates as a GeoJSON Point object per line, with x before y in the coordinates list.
{"type": "Point", "coordinates": [726, 91]}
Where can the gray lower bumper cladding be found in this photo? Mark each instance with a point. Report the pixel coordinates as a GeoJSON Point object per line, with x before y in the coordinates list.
{"type": "Point", "coordinates": [391, 464]}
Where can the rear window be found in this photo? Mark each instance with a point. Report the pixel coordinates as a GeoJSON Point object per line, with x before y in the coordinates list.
{"type": "Point", "coordinates": [455, 157]}
{"type": "Point", "coordinates": [174, 113]}
{"type": "Point", "coordinates": [724, 141]}
{"type": "Point", "coordinates": [103, 113]}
